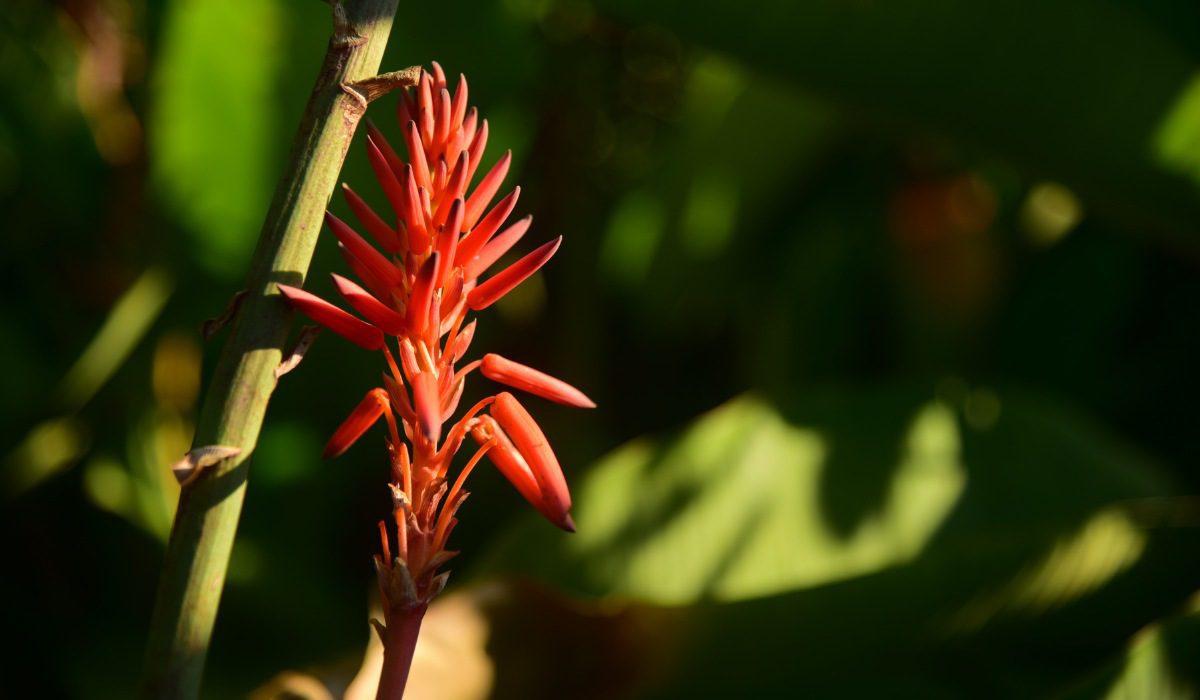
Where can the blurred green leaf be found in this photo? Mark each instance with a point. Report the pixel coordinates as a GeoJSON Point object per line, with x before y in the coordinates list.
{"type": "Point", "coordinates": [213, 123]}
{"type": "Point", "coordinates": [750, 500]}
{"type": "Point", "coordinates": [884, 528]}
{"type": "Point", "coordinates": [1160, 663]}
{"type": "Point", "coordinates": [1095, 94]}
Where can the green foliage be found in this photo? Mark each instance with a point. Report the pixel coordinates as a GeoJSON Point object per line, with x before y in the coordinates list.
{"type": "Point", "coordinates": [214, 123]}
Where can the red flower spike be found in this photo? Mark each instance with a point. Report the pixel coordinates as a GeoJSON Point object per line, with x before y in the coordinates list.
{"type": "Point", "coordinates": [474, 241]}
{"type": "Point", "coordinates": [422, 296]}
{"type": "Point", "coordinates": [381, 316]}
{"type": "Point", "coordinates": [385, 235]}
{"type": "Point", "coordinates": [416, 153]}
{"type": "Point", "coordinates": [372, 259]}
{"type": "Point", "coordinates": [355, 330]}
{"type": "Point", "coordinates": [518, 376]}
{"type": "Point", "coordinates": [387, 179]}
{"type": "Point", "coordinates": [368, 411]}
{"type": "Point", "coordinates": [504, 281]}
{"type": "Point", "coordinates": [531, 443]}
{"type": "Point", "coordinates": [508, 461]}
{"type": "Point", "coordinates": [496, 248]}
{"type": "Point", "coordinates": [418, 280]}
{"type": "Point", "coordinates": [427, 404]}
{"type": "Point", "coordinates": [488, 186]}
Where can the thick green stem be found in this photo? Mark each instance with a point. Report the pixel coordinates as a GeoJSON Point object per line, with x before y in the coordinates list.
{"type": "Point", "coordinates": [209, 506]}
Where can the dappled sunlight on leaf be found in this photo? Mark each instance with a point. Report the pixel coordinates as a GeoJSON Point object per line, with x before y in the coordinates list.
{"type": "Point", "coordinates": [731, 509]}
{"type": "Point", "coordinates": [1109, 543]}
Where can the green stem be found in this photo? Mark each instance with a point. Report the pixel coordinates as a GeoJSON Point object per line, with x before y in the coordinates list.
{"type": "Point", "coordinates": [205, 523]}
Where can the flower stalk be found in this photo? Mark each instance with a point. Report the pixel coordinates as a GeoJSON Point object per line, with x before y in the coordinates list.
{"type": "Point", "coordinates": [210, 503]}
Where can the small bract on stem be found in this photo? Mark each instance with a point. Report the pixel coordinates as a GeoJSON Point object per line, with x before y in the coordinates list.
{"type": "Point", "coordinates": [421, 278]}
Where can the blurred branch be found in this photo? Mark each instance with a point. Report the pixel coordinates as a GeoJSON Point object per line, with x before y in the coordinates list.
{"type": "Point", "coordinates": [202, 536]}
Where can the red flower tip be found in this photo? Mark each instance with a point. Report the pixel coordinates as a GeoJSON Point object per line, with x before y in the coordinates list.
{"type": "Point", "coordinates": [362, 417]}
{"type": "Point", "coordinates": [532, 445]}
{"type": "Point", "coordinates": [519, 376]}
{"type": "Point", "coordinates": [504, 281]}
{"type": "Point", "coordinates": [355, 330]}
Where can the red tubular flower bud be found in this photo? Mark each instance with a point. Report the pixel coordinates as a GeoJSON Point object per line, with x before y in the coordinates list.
{"type": "Point", "coordinates": [438, 75]}
{"type": "Point", "coordinates": [378, 228]}
{"type": "Point", "coordinates": [387, 179]}
{"type": "Point", "coordinates": [488, 186]}
{"type": "Point", "coordinates": [416, 154]}
{"type": "Point", "coordinates": [375, 136]}
{"type": "Point", "coordinates": [496, 248]}
{"type": "Point", "coordinates": [509, 462]}
{"type": "Point", "coordinates": [362, 417]}
{"type": "Point", "coordinates": [427, 405]}
{"type": "Point", "coordinates": [519, 376]}
{"type": "Point", "coordinates": [380, 266]}
{"type": "Point", "coordinates": [459, 112]}
{"type": "Point", "coordinates": [380, 288]}
{"type": "Point", "coordinates": [355, 330]}
{"type": "Point", "coordinates": [531, 443]}
{"type": "Point", "coordinates": [381, 316]}
{"type": "Point", "coordinates": [425, 111]}
{"type": "Point", "coordinates": [456, 184]}
{"type": "Point", "coordinates": [447, 244]}
{"type": "Point", "coordinates": [474, 241]}
{"type": "Point", "coordinates": [422, 296]}
{"type": "Point", "coordinates": [414, 219]}
{"type": "Point", "coordinates": [442, 127]}
{"type": "Point", "coordinates": [503, 282]}
{"type": "Point", "coordinates": [476, 149]}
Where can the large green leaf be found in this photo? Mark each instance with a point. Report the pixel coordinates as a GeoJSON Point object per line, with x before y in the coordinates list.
{"type": "Point", "coordinates": [877, 541]}
{"type": "Point", "coordinates": [1098, 94]}
{"type": "Point", "coordinates": [752, 500]}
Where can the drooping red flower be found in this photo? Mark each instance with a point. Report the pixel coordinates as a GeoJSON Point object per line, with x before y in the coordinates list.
{"type": "Point", "coordinates": [419, 279]}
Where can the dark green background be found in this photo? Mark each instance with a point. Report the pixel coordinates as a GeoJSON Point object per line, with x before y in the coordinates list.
{"type": "Point", "coordinates": [897, 301]}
